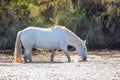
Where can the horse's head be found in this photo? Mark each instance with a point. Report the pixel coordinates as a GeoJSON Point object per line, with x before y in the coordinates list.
{"type": "Point", "coordinates": [82, 49]}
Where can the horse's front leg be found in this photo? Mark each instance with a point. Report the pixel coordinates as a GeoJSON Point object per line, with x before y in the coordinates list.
{"type": "Point", "coordinates": [64, 48]}
{"type": "Point", "coordinates": [52, 55]}
{"type": "Point", "coordinates": [68, 56]}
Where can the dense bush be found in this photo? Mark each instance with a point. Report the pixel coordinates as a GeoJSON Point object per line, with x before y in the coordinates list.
{"type": "Point", "coordinates": [106, 14]}
{"type": "Point", "coordinates": [98, 21]}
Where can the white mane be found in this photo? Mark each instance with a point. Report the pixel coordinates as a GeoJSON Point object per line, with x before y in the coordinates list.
{"type": "Point", "coordinates": [70, 33]}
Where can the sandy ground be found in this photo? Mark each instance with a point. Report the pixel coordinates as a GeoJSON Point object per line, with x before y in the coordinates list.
{"type": "Point", "coordinates": [101, 65]}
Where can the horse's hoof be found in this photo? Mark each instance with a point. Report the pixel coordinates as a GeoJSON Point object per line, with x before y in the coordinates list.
{"type": "Point", "coordinates": [69, 61]}
{"type": "Point", "coordinates": [52, 61]}
{"type": "Point", "coordinates": [84, 59]}
{"type": "Point", "coordinates": [30, 62]}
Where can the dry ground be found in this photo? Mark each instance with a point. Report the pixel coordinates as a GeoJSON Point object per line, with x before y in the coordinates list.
{"type": "Point", "coordinates": [101, 65]}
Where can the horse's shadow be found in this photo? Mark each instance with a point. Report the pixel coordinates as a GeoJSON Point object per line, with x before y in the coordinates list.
{"type": "Point", "coordinates": [55, 62]}
{"type": "Point", "coordinates": [46, 62]}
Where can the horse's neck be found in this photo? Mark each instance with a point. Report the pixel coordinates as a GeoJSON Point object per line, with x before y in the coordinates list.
{"type": "Point", "coordinates": [74, 40]}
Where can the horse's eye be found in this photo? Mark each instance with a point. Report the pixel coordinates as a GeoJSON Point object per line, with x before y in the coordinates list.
{"type": "Point", "coordinates": [85, 48]}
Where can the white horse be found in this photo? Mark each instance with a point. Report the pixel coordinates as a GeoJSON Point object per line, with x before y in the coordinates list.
{"type": "Point", "coordinates": [57, 37]}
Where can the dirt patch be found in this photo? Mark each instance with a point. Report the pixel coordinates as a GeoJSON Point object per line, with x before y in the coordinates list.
{"type": "Point", "coordinates": [101, 65]}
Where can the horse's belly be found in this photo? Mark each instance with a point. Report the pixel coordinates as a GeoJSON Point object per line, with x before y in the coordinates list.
{"type": "Point", "coordinates": [47, 44]}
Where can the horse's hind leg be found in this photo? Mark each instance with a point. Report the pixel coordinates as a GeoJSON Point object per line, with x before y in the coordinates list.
{"type": "Point", "coordinates": [52, 55]}
{"type": "Point", "coordinates": [25, 59]}
{"type": "Point", "coordinates": [29, 57]}
{"type": "Point", "coordinates": [27, 54]}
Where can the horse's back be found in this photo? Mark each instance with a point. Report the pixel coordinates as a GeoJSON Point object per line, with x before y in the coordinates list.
{"type": "Point", "coordinates": [42, 37]}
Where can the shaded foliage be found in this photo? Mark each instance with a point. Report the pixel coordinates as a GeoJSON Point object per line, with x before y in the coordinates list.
{"type": "Point", "coordinates": [98, 21]}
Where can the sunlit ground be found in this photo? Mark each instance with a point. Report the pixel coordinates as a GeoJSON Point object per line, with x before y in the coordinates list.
{"type": "Point", "coordinates": [101, 65]}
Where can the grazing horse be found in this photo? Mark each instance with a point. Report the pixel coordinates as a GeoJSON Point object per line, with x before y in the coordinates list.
{"type": "Point", "coordinates": [57, 37]}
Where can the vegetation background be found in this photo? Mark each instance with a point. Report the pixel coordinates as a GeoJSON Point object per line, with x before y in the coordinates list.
{"type": "Point", "coordinates": [97, 21]}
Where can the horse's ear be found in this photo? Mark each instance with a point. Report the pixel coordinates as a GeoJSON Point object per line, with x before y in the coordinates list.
{"type": "Point", "coordinates": [85, 41]}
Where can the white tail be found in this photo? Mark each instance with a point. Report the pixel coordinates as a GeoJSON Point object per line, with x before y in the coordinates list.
{"type": "Point", "coordinates": [18, 49]}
